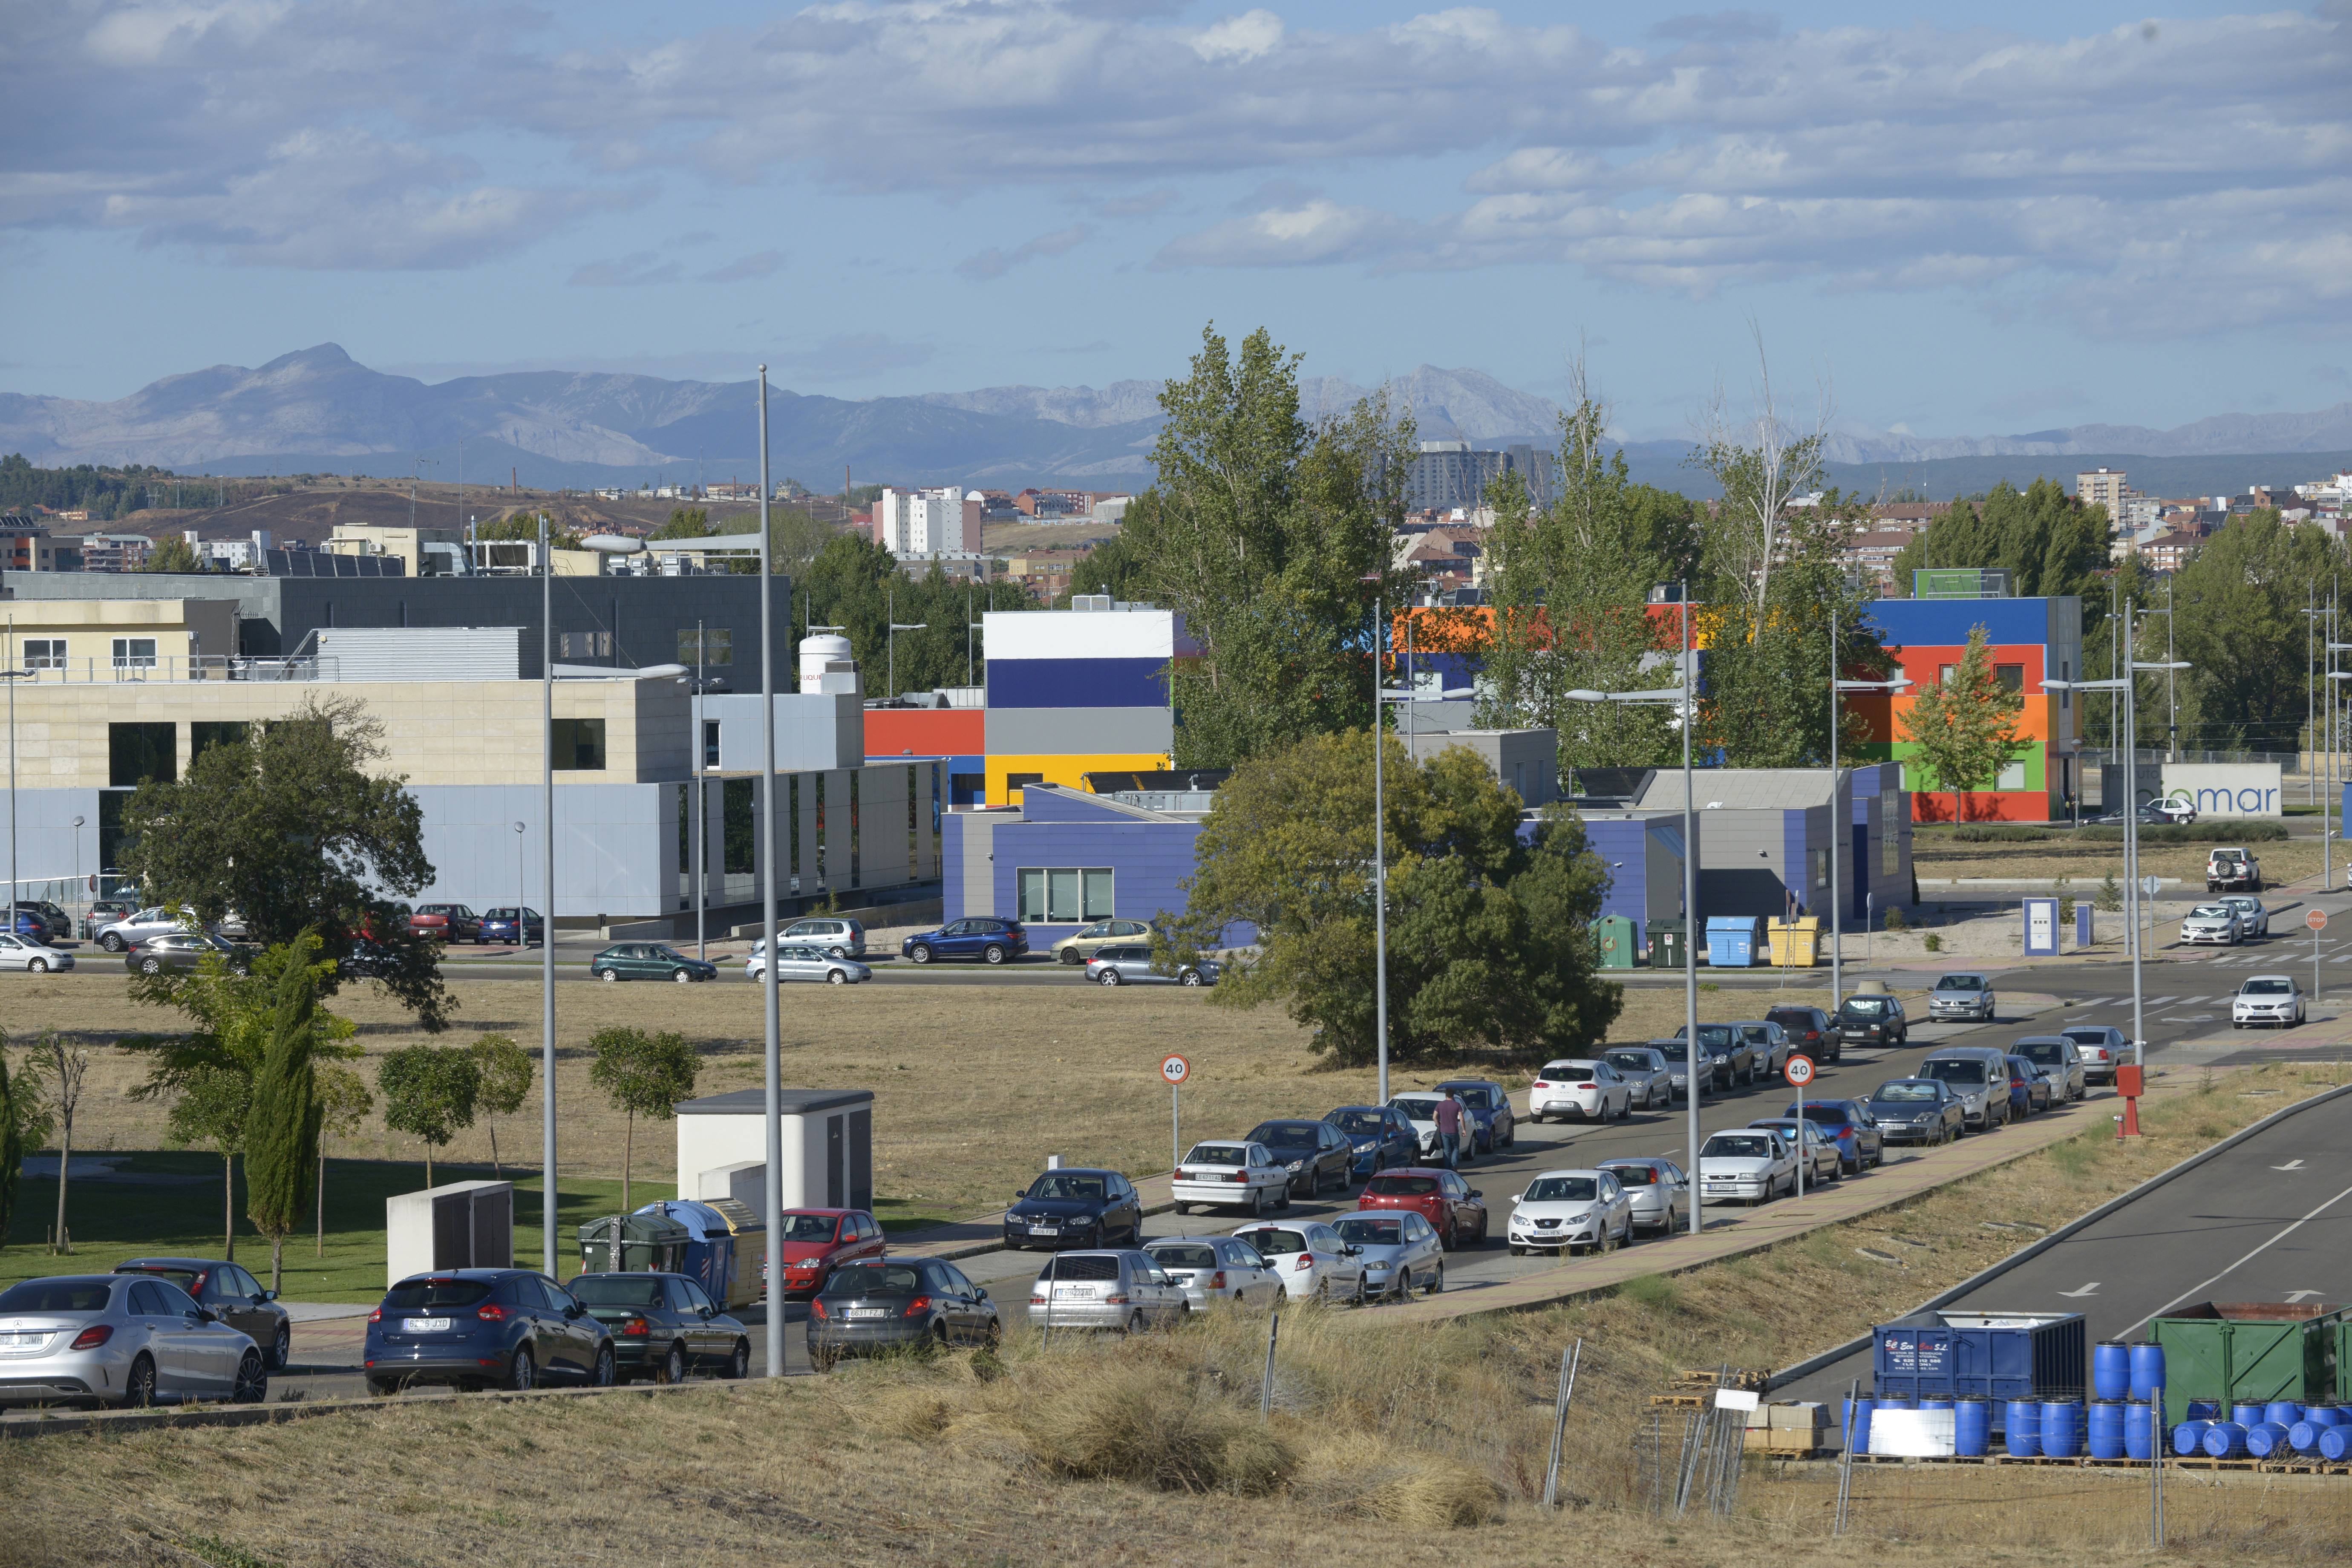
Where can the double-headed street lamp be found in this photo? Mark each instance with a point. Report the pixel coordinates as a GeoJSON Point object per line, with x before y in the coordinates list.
{"type": "Point", "coordinates": [1840, 826]}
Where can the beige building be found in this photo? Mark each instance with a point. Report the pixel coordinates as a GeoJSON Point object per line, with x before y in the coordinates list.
{"type": "Point", "coordinates": [2103, 487]}
{"type": "Point", "coordinates": [136, 639]}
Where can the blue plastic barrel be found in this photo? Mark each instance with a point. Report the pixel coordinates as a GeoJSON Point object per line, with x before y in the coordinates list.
{"type": "Point", "coordinates": [2328, 1415]}
{"type": "Point", "coordinates": [2110, 1368]}
{"type": "Point", "coordinates": [2204, 1410]}
{"type": "Point", "coordinates": [1857, 1423]}
{"type": "Point", "coordinates": [2266, 1439]}
{"type": "Point", "coordinates": [2335, 1442]}
{"type": "Point", "coordinates": [2140, 1421]}
{"type": "Point", "coordinates": [2106, 1431]}
{"type": "Point", "coordinates": [2304, 1437]}
{"type": "Point", "coordinates": [1971, 1428]}
{"type": "Point", "coordinates": [2226, 1440]}
{"type": "Point", "coordinates": [2244, 1415]}
{"type": "Point", "coordinates": [2147, 1370]}
{"type": "Point", "coordinates": [1934, 1402]}
{"type": "Point", "coordinates": [2062, 1429]}
{"type": "Point", "coordinates": [2282, 1413]}
{"type": "Point", "coordinates": [2188, 1437]}
{"type": "Point", "coordinates": [2022, 1421]}
{"type": "Point", "coordinates": [1897, 1402]}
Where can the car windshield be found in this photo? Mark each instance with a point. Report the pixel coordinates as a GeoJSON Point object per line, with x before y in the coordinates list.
{"type": "Point", "coordinates": [188, 1280]}
{"type": "Point", "coordinates": [1182, 1254]}
{"type": "Point", "coordinates": [1634, 1175]}
{"type": "Point", "coordinates": [1217, 1154]}
{"type": "Point", "coordinates": [1562, 1189]}
{"type": "Point", "coordinates": [1421, 1108]}
{"type": "Point", "coordinates": [1065, 1185]}
{"type": "Point", "coordinates": [1630, 1062]}
{"type": "Point", "coordinates": [618, 1289]}
{"type": "Point", "coordinates": [1738, 1146]}
{"type": "Point", "coordinates": [1274, 1243]}
{"type": "Point", "coordinates": [1828, 1115]}
{"type": "Point", "coordinates": [1285, 1134]}
{"type": "Point", "coordinates": [1362, 1123]}
{"type": "Point", "coordinates": [1358, 1232]}
{"type": "Point", "coordinates": [2049, 1053]}
{"type": "Point", "coordinates": [1567, 1075]}
{"type": "Point", "coordinates": [1954, 1071]}
{"type": "Point", "coordinates": [2211, 911]}
{"type": "Point", "coordinates": [1476, 1099]}
{"type": "Point", "coordinates": [2265, 988]}
{"type": "Point", "coordinates": [1791, 1017]}
{"type": "Point", "coordinates": [56, 1295]}
{"type": "Point", "coordinates": [1906, 1094]}
{"type": "Point", "coordinates": [1711, 1035]}
{"type": "Point", "coordinates": [1401, 1186]}
{"type": "Point", "coordinates": [810, 1227]}
{"type": "Point", "coordinates": [1865, 1006]}
{"type": "Point", "coordinates": [1960, 982]}
{"type": "Point", "coordinates": [875, 1279]}
{"type": "Point", "coordinates": [410, 1294]}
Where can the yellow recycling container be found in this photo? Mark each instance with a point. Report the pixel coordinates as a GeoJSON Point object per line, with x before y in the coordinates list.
{"type": "Point", "coordinates": [1796, 944]}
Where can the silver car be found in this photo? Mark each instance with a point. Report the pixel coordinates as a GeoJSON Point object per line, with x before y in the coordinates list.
{"type": "Point", "coordinates": [2212, 923]}
{"type": "Point", "coordinates": [34, 957]}
{"type": "Point", "coordinates": [1768, 1045]}
{"type": "Point", "coordinates": [1129, 964]}
{"type": "Point", "coordinates": [1214, 1268]}
{"type": "Point", "coordinates": [1313, 1263]}
{"type": "Point", "coordinates": [1645, 1066]}
{"type": "Point", "coordinates": [133, 929]}
{"type": "Point", "coordinates": [2267, 999]}
{"type": "Point", "coordinates": [1979, 1076]}
{"type": "Point", "coordinates": [2059, 1061]}
{"type": "Point", "coordinates": [2101, 1046]}
{"type": "Point", "coordinates": [1125, 1290]}
{"type": "Point", "coordinates": [1962, 997]}
{"type": "Point", "coordinates": [1401, 1252]}
{"type": "Point", "coordinates": [839, 938]}
{"type": "Point", "coordinates": [119, 1338]}
{"type": "Point", "coordinates": [799, 961]}
{"type": "Point", "coordinates": [1660, 1191]}
{"type": "Point", "coordinates": [2254, 920]}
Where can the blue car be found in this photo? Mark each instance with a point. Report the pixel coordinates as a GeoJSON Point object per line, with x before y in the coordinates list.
{"type": "Point", "coordinates": [480, 1327]}
{"type": "Point", "coordinates": [1849, 1124]}
{"type": "Point", "coordinates": [988, 938]}
{"type": "Point", "coordinates": [501, 925]}
{"type": "Point", "coordinates": [1380, 1135]}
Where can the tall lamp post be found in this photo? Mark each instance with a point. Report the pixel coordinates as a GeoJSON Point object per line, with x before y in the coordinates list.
{"type": "Point", "coordinates": [11, 674]}
{"type": "Point", "coordinates": [891, 637]}
{"type": "Point", "coordinates": [1839, 823]}
{"type": "Point", "coordinates": [547, 1204]}
{"type": "Point", "coordinates": [2328, 805]}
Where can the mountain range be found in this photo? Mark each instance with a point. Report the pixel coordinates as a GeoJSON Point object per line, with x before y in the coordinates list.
{"type": "Point", "coordinates": [319, 410]}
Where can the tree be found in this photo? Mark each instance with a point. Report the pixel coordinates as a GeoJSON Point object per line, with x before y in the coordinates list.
{"type": "Point", "coordinates": [50, 1106]}
{"type": "Point", "coordinates": [1766, 698]}
{"type": "Point", "coordinates": [506, 1079]}
{"type": "Point", "coordinates": [684, 522]}
{"type": "Point", "coordinates": [429, 1092]}
{"type": "Point", "coordinates": [522, 527]}
{"type": "Point", "coordinates": [856, 584]}
{"type": "Point", "coordinates": [282, 1128]}
{"type": "Point", "coordinates": [24, 1123]}
{"type": "Point", "coordinates": [1760, 463]}
{"type": "Point", "coordinates": [2049, 543]}
{"type": "Point", "coordinates": [171, 553]}
{"type": "Point", "coordinates": [344, 1104]}
{"type": "Point", "coordinates": [644, 1075]}
{"type": "Point", "coordinates": [1962, 724]}
{"type": "Point", "coordinates": [290, 826]}
{"type": "Point", "coordinates": [2238, 608]}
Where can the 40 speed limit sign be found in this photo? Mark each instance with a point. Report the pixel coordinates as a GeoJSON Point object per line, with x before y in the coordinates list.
{"type": "Point", "coordinates": [1799, 1072]}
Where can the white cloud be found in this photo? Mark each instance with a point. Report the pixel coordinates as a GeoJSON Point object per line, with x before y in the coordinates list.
{"type": "Point", "coordinates": [1315, 230]}
{"type": "Point", "coordinates": [1244, 37]}
{"type": "Point", "coordinates": [995, 263]}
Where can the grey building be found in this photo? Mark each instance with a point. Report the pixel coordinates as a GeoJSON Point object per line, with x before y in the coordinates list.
{"type": "Point", "coordinates": [1767, 837]}
{"type": "Point", "coordinates": [1447, 474]}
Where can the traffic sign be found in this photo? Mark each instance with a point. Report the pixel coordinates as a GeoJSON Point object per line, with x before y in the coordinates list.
{"type": "Point", "coordinates": [2316, 920]}
{"type": "Point", "coordinates": [1799, 1072]}
{"type": "Point", "coordinates": [2149, 886]}
{"type": "Point", "coordinates": [1175, 1069]}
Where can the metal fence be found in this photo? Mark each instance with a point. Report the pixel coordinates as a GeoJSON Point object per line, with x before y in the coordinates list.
{"type": "Point", "coordinates": [167, 668]}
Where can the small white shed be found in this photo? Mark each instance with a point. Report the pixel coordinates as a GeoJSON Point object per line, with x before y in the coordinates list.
{"type": "Point", "coordinates": [464, 1225]}
{"type": "Point", "coordinates": [828, 1142]}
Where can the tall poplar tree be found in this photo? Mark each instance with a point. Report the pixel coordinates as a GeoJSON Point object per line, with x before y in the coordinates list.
{"type": "Point", "coordinates": [281, 1135]}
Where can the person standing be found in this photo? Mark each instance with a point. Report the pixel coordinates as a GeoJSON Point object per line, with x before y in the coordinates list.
{"type": "Point", "coordinates": [1449, 1130]}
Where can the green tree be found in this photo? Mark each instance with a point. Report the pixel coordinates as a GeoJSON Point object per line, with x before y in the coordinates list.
{"type": "Point", "coordinates": [1767, 703]}
{"type": "Point", "coordinates": [1964, 724]}
{"type": "Point", "coordinates": [2051, 544]}
{"type": "Point", "coordinates": [684, 522]}
{"type": "Point", "coordinates": [282, 1127]}
{"type": "Point", "coordinates": [344, 1105]}
{"type": "Point", "coordinates": [430, 1093]}
{"type": "Point", "coordinates": [292, 827]}
{"type": "Point", "coordinates": [47, 1094]}
{"type": "Point", "coordinates": [506, 1079]}
{"type": "Point", "coordinates": [24, 1123]}
{"type": "Point", "coordinates": [856, 584]}
{"type": "Point", "coordinates": [522, 527]}
{"type": "Point", "coordinates": [171, 553]}
{"type": "Point", "coordinates": [644, 1075]}
{"type": "Point", "coordinates": [1110, 567]}
{"type": "Point", "coordinates": [2238, 608]}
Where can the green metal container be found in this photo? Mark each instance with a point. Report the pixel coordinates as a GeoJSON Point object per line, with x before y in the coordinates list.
{"type": "Point", "coordinates": [2248, 1351]}
{"type": "Point", "coordinates": [1668, 939]}
{"type": "Point", "coordinates": [1614, 936]}
{"type": "Point", "coordinates": [644, 1242]}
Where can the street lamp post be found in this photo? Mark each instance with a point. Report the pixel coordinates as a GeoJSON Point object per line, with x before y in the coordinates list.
{"type": "Point", "coordinates": [522, 933]}
{"type": "Point", "coordinates": [2326, 802]}
{"type": "Point", "coordinates": [547, 906]}
{"type": "Point", "coordinates": [1839, 824]}
{"type": "Point", "coordinates": [11, 674]}
{"type": "Point", "coordinates": [892, 638]}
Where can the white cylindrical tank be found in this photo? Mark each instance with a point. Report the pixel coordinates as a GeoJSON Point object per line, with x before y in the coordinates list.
{"type": "Point", "coordinates": [816, 651]}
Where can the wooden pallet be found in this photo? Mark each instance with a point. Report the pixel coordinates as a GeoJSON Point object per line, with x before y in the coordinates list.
{"type": "Point", "coordinates": [1680, 1400]}
{"type": "Point", "coordinates": [1710, 1377]}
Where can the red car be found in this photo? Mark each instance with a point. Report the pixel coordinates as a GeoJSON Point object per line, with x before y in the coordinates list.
{"type": "Point", "coordinates": [818, 1241]}
{"type": "Point", "coordinates": [1440, 1196]}
{"type": "Point", "coordinates": [450, 922]}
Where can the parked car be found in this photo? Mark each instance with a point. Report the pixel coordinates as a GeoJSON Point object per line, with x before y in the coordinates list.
{"type": "Point", "coordinates": [119, 1340]}
{"type": "Point", "coordinates": [478, 1327]}
{"type": "Point", "coordinates": [1582, 1088]}
{"type": "Point", "coordinates": [804, 961]}
{"type": "Point", "coordinates": [818, 1241]}
{"type": "Point", "coordinates": [1398, 1250]}
{"type": "Point", "coordinates": [450, 922]}
{"type": "Point", "coordinates": [135, 928]}
{"type": "Point", "coordinates": [1735, 1063]}
{"type": "Point", "coordinates": [1819, 1155]}
{"type": "Point", "coordinates": [1316, 1157]}
{"type": "Point", "coordinates": [1486, 1109]}
{"type": "Point", "coordinates": [1644, 1068]}
{"type": "Point", "coordinates": [104, 912]}
{"type": "Point", "coordinates": [2175, 810]}
{"type": "Point", "coordinates": [367, 959]}
{"type": "Point", "coordinates": [31, 954]}
{"type": "Point", "coordinates": [1749, 1165]}
{"type": "Point", "coordinates": [2230, 869]}
{"type": "Point", "coordinates": [1085, 942]}
{"type": "Point", "coordinates": [1309, 1258]}
{"type": "Point", "coordinates": [1810, 1032]}
{"type": "Point", "coordinates": [2253, 918]}
{"type": "Point", "coordinates": [2056, 1056]}
{"type": "Point", "coordinates": [1378, 1135]}
{"type": "Point", "coordinates": [1919, 1110]}
{"type": "Point", "coordinates": [1441, 1198]}
{"type": "Point", "coordinates": [1963, 996]}
{"type": "Point", "coordinates": [902, 1304]}
{"type": "Point", "coordinates": [1768, 1046]}
{"type": "Point", "coordinates": [986, 938]}
{"type": "Point", "coordinates": [839, 936]}
{"type": "Point", "coordinates": [664, 1326]}
{"type": "Point", "coordinates": [1849, 1124]}
{"type": "Point", "coordinates": [2212, 923]}
{"type": "Point", "coordinates": [2267, 999]}
{"type": "Point", "coordinates": [2031, 1091]}
{"type": "Point", "coordinates": [2102, 1047]}
{"type": "Point", "coordinates": [651, 961]}
{"type": "Point", "coordinates": [1873, 1019]}
{"type": "Point", "coordinates": [230, 1294]}
{"type": "Point", "coordinates": [1214, 1268]}
{"type": "Point", "coordinates": [1126, 1291]}
{"type": "Point", "coordinates": [1658, 1189]}
{"type": "Point", "coordinates": [1129, 964]}
{"type": "Point", "coordinates": [1227, 1175]}
{"type": "Point", "coordinates": [55, 924]}
{"type": "Point", "coordinates": [1563, 1210]}
{"type": "Point", "coordinates": [1677, 1055]}
{"type": "Point", "coordinates": [515, 926]}
{"type": "Point", "coordinates": [26, 921]}
{"type": "Point", "coordinates": [1979, 1076]}
{"type": "Point", "coordinates": [175, 952]}
{"type": "Point", "coordinates": [1074, 1207]}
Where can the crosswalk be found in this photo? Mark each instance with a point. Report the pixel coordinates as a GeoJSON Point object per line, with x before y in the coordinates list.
{"type": "Point", "coordinates": [2089, 1005]}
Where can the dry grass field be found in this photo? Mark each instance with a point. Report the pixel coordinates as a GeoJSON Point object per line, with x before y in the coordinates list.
{"type": "Point", "coordinates": [1937, 854]}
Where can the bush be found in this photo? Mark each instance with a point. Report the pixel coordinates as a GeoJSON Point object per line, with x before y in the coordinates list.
{"type": "Point", "coordinates": [2227, 832]}
{"type": "Point", "coordinates": [1895, 921]}
{"type": "Point", "coordinates": [2001, 833]}
{"type": "Point", "coordinates": [1935, 942]}
{"type": "Point", "coordinates": [1150, 1424]}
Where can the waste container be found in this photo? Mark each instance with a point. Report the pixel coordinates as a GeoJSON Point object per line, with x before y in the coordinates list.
{"type": "Point", "coordinates": [1613, 937]}
{"type": "Point", "coordinates": [2248, 1351]}
{"type": "Point", "coordinates": [1732, 941]}
{"type": "Point", "coordinates": [710, 1254]}
{"type": "Point", "coordinates": [648, 1241]}
{"type": "Point", "coordinates": [1797, 944]}
{"type": "Point", "coordinates": [1666, 940]}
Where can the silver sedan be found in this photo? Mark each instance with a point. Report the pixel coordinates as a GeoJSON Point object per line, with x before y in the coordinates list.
{"type": "Point", "coordinates": [1214, 1268]}
{"type": "Point", "coordinates": [117, 1339]}
{"type": "Point", "coordinates": [1401, 1251]}
{"type": "Point", "coordinates": [1129, 964]}
{"type": "Point", "coordinates": [34, 957]}
{"type": "Point", "coordinates": [797, 961]}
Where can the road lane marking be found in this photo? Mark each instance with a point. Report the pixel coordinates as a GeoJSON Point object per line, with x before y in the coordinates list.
{"type": "Point", "coordinates": [2265, 1247]}
{"type": "Point", "coordinates": [2295, 1296]}
{"type": "Point", "coordinates": [2085, 1291]}
{"type": "Point", "coordinates": [2290, 1165]}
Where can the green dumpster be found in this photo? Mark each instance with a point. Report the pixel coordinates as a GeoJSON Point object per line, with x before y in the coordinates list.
{"type": "Point", "coordinates": [1614, 936]}
{"type": "Point", "coordinates": [634, 1243]}
{"type": "Point", "coordinates": [2246, 1353]}
{"type": "Point", "coordinates": [1668, 941]}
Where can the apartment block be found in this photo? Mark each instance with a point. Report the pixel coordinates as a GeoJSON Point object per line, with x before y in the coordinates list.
{"type": "Point", "coordinates": [928, 523]}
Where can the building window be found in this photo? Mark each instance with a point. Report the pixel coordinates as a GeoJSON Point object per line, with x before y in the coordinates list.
{"type": "Point", "coordinates": [914, 862]}
{"type": "Point", "coordinates": [584, 645]}
{"type": "Point", "coordinates": [793, 815]}
{"type": "Point", "coordinates": [1066, 895]}
{"type": "Point", "coordinates": [45, 653]}
{"type": "Point", "coordinates": [2012, 777]}
{"type": "Point", "coordinates": [706, 645]}
{"type": "Point", "coordinates": [855, 838]}
{"type": "Point", "coordinates": [1944, 673]}
{"type": "Point", "coordinates": [1820, 870]}
{"type": "Point", "coordinates": [736, 849]}
{"type": "Point", "coordinates": [579, 745]}
{"type": "Point", "coordinates": [2011, 676]}
{"type": "Point", "coordinates": [137, 752]}
{"type": "Point", "coordinates": [205, 734]}
{"type": "Point", "coordinates": [711, 743]}
{"type": "Point", "coordinates": [1015, 782]}
{"type": "Point", "coordinates": [1890, 840]}
{"type": "Point", "coordinates": [135, 653]}
{"type": "Point", "coordinates": [819, 779]}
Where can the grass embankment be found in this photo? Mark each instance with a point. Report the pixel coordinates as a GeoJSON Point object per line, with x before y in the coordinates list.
{"type": "Point", "coordinates": [1936, 853]}
{"type": "Point", "coordinates": [1379, 1443]}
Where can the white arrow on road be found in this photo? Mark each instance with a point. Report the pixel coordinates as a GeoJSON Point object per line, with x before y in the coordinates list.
{"type": "Point", "coordinates": [2290, 1165]}
{"type": "Point", "coordinates": [2295, 1296]}
{"type": "Point", "coordinates": [2085, 1291]}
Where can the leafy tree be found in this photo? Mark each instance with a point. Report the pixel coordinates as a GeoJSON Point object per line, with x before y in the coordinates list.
{"type": "Point", "coordinates": [430, 1092]}
{"type": "Point", "coordinates": [795, 538]}
{"type": "Point", "coordinates": [1767, 702]}
{"type": "Point", "coordinates": [856, 584]}
{"type": "Point", "coordinates": [344, 1104]}
{"type": "Point", "coordinates": [282, 1129]}
{"type": "Point", "coordinates": [524, 527]}
{"type": "Point", "coordinates": [684, 522]}
{"type": "Point", "coordinates": [644, 1075]}
{"type": "Point", "coordinates": [2237, 608]}
{"type": "Point", "coordinates": [171, 553]}
{"type": "Point", "coordinates": [1110, 567]}
{"type": "Point", "coordinates": [289, 826]}
{"type": "Point", "coordinates": [47, 1093]}
{"type": "Point", "coordinates": [1963, 725]}
{"type": "Point", "coordinates": [2051, 544]}
{"type": "Point", "coordinates": [24, 1123]}
{"type": "Point", "coordinates": [506, 1079]}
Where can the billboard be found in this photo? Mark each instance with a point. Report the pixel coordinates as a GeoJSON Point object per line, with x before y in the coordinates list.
{"type": "Point", "coordinates": [2225, 789]}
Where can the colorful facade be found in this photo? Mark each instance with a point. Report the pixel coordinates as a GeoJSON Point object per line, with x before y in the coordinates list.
{"type": "Point", "coordinates": [1075, 691]}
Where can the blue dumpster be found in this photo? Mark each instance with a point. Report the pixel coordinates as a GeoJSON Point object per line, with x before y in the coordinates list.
{"type": "Point", "coordinates": [1732, 941]}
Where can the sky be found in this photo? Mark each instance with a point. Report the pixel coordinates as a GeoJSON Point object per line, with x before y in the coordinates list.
{"type": "Point", "coordinates": [1950, 219]}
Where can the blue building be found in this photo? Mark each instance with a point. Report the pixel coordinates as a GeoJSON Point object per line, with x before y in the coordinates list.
{"type": "Point", "coordinates": [1062, 859]}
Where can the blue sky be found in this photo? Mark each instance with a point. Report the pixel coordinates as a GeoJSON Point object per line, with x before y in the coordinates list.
{"type": "Point", "coordinates": [1973, 219]}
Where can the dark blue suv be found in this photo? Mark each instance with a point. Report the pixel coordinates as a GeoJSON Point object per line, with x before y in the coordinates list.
{"type": "Point", "coordinates": [1380, 1136]}
{"type": "Point", "coordinates": [988, 938]}
{"type": "Point", "coordinates": [477, 1328]}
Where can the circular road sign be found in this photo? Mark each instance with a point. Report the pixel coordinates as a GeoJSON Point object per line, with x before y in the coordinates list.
{"type": "Point", "coordinates": [2316, 920]}
{"type": "Point", "coordinates": [1175, 1069]}
{"type": "Point", "coordinates": [1799, 1072]}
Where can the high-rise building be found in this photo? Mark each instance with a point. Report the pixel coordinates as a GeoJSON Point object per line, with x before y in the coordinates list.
{"type": "Point", "coordinates": [1448, 474]}
{"type": "Point", "coordinates": [928, 523]}
{"type": "Point", "coordinates": [2103, 487]}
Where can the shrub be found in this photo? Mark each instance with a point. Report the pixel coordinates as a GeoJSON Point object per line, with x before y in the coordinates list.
{"type": "Point", "coordinates": [2224, 832]}
{"type": "Point", "coordinates": [2110, 898]}
{"type": "Point", "coordinates": [1895, 921]}
{"type": "Point", "coordinates": [1935, 942]}
{"type": "Point", "coordinates": [1150, 1426]}
{"type": "Point", "coordinates": [2001, 833]}
{"type": "Point", "coordinates": [1654, 1290]}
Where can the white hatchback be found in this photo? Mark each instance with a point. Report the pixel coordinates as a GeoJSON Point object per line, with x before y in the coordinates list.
{"type": "Point", "coordinates": [1582, 1088]}
{"type": "Point", "coordinates": [1749, 1165]}
{"type": "Point", "coordinates": [23, 952]}
{"type": "Point", "coordinates": [1310, 1259]}
{"type": "Point", "coordinates": [1563, 1210]}
{"type": "Point", "coordinates": [1238, 1175]}
{"type": "Point", "coordinates": [2267, 999]}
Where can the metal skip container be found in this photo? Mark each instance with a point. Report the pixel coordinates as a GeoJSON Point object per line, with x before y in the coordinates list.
{"type": "Point", "coordinates": [1996, 1356]}
{"type": "Point", "coordinates": [2247, 1352]}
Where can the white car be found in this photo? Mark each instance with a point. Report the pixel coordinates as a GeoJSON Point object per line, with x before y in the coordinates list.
{"type": "Point", "coordinates": [133, 929]}
{"type": "Point", "coordinates": [23, 952]}
{"type": "Point", "coordinates": [1214, 1268]}
{"type": "Point", "coordinates": [1563, 1210]}
{"type": "Point", "coordinates": [2267, 999]}
{"type": "Point", "coordinates": [2101, 1048]}
{"type": "Point", "coordinates": [2212, 923]}
{"type": "Point", "coordinates": [1231, 1176]}
{"type": "Point", "coordinates": [1420, 1109]}
{"type": "Point", "coordinates": [799, 961]}
{"type": "Point", "coordinates": [1745, 1166]}
{"type": "Point", "coordinates": [1312, 1262]}
{"type": "Point", "coordinates": [1646, 1067]}
{"type": "Point", "coordinates": [2253, 918]}
{"type": "Point", "coordinates": [1579, 1088]}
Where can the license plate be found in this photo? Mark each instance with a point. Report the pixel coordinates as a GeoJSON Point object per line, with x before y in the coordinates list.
{"type": "Point", "coordinates": [868, 1313]}
{"type": "Point", "coordinates": [1075, 1292]}
{"type": "Point", "coordinates": [426, 1325]}
{"type": "Point", "coordinates": [10, 1342]}
{"type": "Point", "coordinates": [1045, 1229]}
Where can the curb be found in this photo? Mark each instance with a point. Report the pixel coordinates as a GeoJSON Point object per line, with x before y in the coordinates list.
{"type": "Point", "coordinates": [1812, 1364]}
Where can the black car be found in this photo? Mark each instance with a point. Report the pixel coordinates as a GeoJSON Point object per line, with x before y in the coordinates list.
{"type": "Point", "coordinates": [649, 960]}
{"type": "Point", "coordinates": [664, 1326]}
{"type": "Point", "coordinates": [1872, 1021]}
{"type": "Point", "coordinates": [1723, 1046]}
{"type": "Point", "coordinates": [899, 1303]}
{"type": "Point", "coordinates": [235, 1297]}
{"type": "Point", "coordinates": [1917, 1110]}
{"type": "Point", "coordinates": [59, 922]}
{"type": "Point", "coordinates": [368, 961]}
{"type": "Point", "coordinates": [1317, 1155]}
{"type": "Point", "coordinates": [1810, 1032]}
{"type": "Point", "coordinates": [482, 1327]}
{"type": "Point", "coordinates": [1076, 1207]}
{"type": "Point", "coordinates": [183, 950]}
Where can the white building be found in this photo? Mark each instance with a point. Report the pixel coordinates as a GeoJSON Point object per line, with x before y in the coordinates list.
{"type": "Point", "coordinates": [928, 523]}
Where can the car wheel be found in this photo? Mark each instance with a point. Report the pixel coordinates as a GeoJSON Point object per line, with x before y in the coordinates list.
{"type": "Point", "coordinates": [1110, 978]}
{"type": "Point", "coordinates": [673, 1366]}
{"type": "Point", "coordinates": [610, 976]}
{"type": "Point", "coordinates": [606, 1371]}
{"type": "Point", "coordinates": [1608, 1242]}
{"type": "Point", "coordinates": [1402, 1289]}
{"type": "Point", "coordinates": [823, 1358]}
{"type": "Point", "coordinates": [992, 953]}
{"type": "Point", "coordinates": [1283, 1201]}
{"type": "Point", "coordinates": [919, 953]}
{"type": "Point", "coordinates": [739, 1361]}
{"type": "Point", "coordinates": [280, 1346]}
{"type": "Point", "coordinates": [1134, 1324]}
{"type": "Point", "coordinates": [38, 965]}
{"type": "Point", "coordinates": [1356, 1299]}
{"type": "Point", "coordinates": [381, 1387]}
{"type": "Point", "coordinates": [1517, 1251]}
{"type": "Point", "coordinates": [522, 1376]}
{"type": "Point", "coordinates": [151, 966]}
{"type": "Point", "coordinates": [836, 977]}
{"type": "Point", "coordinates": [252, 1386]}
{"type": "Point", "coordinates": [139, 1386]}
{"type": "Point", "coordinates": [993, 1338]}
{"type": "Point", "coordinates": [1189, 977]}
{"type": "Point", "coordinates": [1256, 1202]}
{"type": "Point", "coordinates": [112, 942]}
{"type": "Point", "coordinates": [683, 976]}
{"type": "Point", "coordinates": [1436, 1280]}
